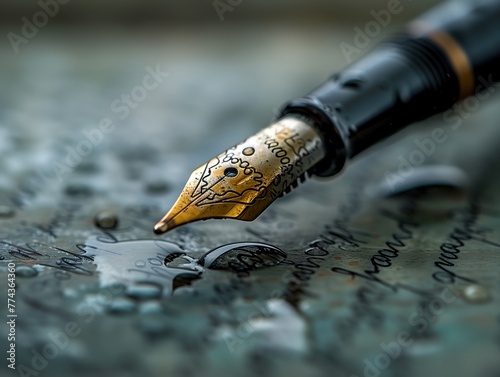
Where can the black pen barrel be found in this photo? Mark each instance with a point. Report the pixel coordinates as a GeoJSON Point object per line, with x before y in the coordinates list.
{"type": "Point", "coordinates": [444, 56]}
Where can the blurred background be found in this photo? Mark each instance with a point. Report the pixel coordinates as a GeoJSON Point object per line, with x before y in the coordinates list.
{"type": "Point", "coordinates": [165, 14]}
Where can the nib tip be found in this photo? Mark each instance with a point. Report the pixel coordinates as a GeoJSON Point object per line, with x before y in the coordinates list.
{"type": "Point", "coordinates": [160, 228]}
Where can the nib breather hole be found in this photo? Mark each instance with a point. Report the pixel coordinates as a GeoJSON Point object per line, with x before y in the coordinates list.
{"type": "Point", "coordinates": [231, 172]}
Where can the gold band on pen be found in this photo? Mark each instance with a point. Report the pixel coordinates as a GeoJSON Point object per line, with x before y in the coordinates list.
{"type": "Point", "coordinates": [459, 61]}
{"type": "Point", "coordinates": [456, 55]}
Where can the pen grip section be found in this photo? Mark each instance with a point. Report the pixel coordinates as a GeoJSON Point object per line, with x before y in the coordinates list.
{"type": "Point", "coordinates": [398, 83]}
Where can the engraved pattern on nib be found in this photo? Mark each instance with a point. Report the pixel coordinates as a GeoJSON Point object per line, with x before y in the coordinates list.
{"type": "Point", "coordinates": [244, 191]}
{"type": "Point", "coordinates": [244, 180]}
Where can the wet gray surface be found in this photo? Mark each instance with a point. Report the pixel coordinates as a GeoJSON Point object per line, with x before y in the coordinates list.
{"type": "Point", "coordinates": [372, 284]}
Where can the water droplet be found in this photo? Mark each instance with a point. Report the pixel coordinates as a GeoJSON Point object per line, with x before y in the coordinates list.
{"type": "Point", "coordinates": [6, 211]}
{"type": "Point", "coordinates": [437, 176]}
{"type": "Point", "coordinates": [70, 293]}
{"type": "Point", "coordinates": [158, 187]}
{"type": "Point", "coordinates": [143, 291]}
{"type": "Point", "coordinates": [106, 220]}
{"type": "Point", "coordinates": [138, 262]}
{"type": "Point", "coordinates": [26, 271]}
{"type": "Point", "coordinates": [183, 261]}
{"type": "Point", "coordinates": [150, 307]}
{"type": "Point", "coordinates": [476, 294]}
{"type": "Point", "coordinates": [121, 306]}
{"type": "Point", "coordinates": [248, 151]}
{"type": "Point", "coordinates": [242, 256]}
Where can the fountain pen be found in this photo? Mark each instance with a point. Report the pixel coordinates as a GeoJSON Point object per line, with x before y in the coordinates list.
{"type": "Point", "coordinates": [436, 61]}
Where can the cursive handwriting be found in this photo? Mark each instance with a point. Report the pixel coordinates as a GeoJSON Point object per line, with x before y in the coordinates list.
{"type": "Point", "coordinates": [383, 258]}
{"type": "Point", "coordinates": [450, 250]}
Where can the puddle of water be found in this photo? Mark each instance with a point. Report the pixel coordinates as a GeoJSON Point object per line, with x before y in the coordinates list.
{"type": "Point", "coordinates": [139, 264]}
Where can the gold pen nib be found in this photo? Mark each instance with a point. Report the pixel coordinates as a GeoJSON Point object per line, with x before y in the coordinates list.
{"type": "Point", "coordinates": [243, 181]}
